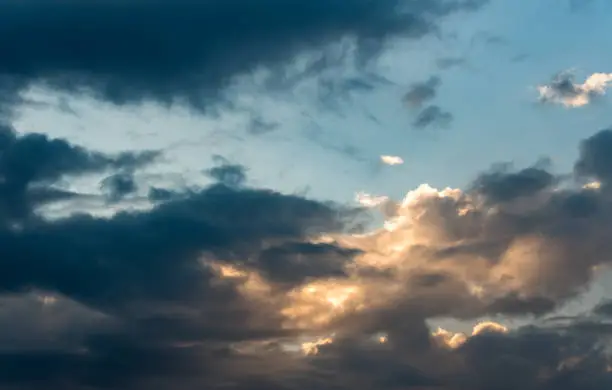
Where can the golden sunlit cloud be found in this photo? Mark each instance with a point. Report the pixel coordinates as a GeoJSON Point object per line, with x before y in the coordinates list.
{"type": "Point", "coordinates": [391, 160]}
{"type": "Point", "coordinates": [312, 347]}
{"type": "Point", "coordinates": [455, 340]}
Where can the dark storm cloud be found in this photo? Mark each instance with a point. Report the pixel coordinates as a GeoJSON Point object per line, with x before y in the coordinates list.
{"type": "Point", "coordinates": [148, 272]}
{"type": "Point", "coordinates": [604, 308]}
{"type": "Point", "coordinates": [187, 49]}
{"type": "Point", "coordinates": [432, 116]}
{"type": "Point", "coordinates": [30, 162]}
{"type": "Point", "coordinates": [166, 241]}
{"type": "Point", "coordinates": [595, 160]}
{"type": "Point", "coordinates": [227, 173]}
{"type": "Point", "coordinates": [163, 194]}
{"type": "Point", "coordinates": [119, 185]}
{"type": "Point", "coordinates": [298, 262]}
{"type": "Point", "coordinates": [420, 93]}
{"type": "Point", "coordinates": [537, 358]}
{"type": "Point", "coordinates": [139, 301]}
{"type": "Point", "coordinates": [503, 185]}
{"type": "Point", "coordinates": [515, 305]}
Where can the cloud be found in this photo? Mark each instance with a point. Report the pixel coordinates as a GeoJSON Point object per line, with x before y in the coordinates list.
{"type": "Point", "coordinates": [565, 91]}
{"type": "Point", "coordinates": [432, 116]}
{"type": "Point", "coordinates": [391, 160]}
{"type": "Point", "coordinates": [235, 287]}
{"type": "Point", "coordinates": [229, 174]}
{"type": "Point", "coordinates": [604, 308]}
{"type": "Point", "coordinates": [421, 93]}
{"type": "Point", "coordinates": [594, 160]}
{"type": "Point", "coordinates": [119, 185]}
{"type": "Point", "coordinates": [188, 51]}
{"type": "Point", "coordinates": [503, 185]}
{"type": "Point", "coordinates": [368, 200]}
{"type": "Point", "coordinates": [30, 162]}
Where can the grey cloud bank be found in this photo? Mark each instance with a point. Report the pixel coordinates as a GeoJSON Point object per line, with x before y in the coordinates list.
{"type": "Point", "coordinates": [186, 50]}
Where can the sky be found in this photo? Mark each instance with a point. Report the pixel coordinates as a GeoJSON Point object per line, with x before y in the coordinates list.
{"type": "Point", "coordinates": [305, 194]}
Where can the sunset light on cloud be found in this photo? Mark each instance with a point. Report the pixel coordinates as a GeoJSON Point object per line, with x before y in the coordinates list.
{"type": "Point", "coordinates": [391, 160]}
{"type": "Point", "coordinates": [305, 194]}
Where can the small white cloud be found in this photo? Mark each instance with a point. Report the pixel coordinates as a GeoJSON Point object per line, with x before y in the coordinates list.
{"type": "Point", "coordinates": [391, 160]}
{"type": "Point", "coordinates": [368, 200]}
{"type": "Point", "coordinates": [564, 90]}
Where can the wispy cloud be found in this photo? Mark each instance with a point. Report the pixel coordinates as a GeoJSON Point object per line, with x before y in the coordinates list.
{"type": "Point", "coordinates": [185, 51]}
{"type": "Point", "coordinates": [432, 116]}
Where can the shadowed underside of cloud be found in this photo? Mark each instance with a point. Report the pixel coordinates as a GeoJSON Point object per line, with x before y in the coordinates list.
{"type": "Point", "coordinates": [421, 93]}
{"type": "Point", "coordinates": [184, 49]}
{"type": "Point", "coordinates": [565, 91]}
{"type": "Point", "coordinates": [30, 163]}
{"type": "Point", "coordinates": [233, 287]}
{"type": "Point", "coordinates": [432, 116]}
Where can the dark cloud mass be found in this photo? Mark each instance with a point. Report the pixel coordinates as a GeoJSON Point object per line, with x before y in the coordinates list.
{"type": "Point", "coordinates": [432, 116]}
{"type": "Point", "coordinates": [232, 287]}
{"type": "Point", "coordinates": [128, 51]}
{"type": "Point", "coordinates": [502, 185]}
{"type": "Point", "coordinates": [216, 288]}
{"type": "Point", "coordinates": [29, 163]}
{"type": "Point", "coordinates": [119, 185]}
{"type": "Point", "coordinates": [423, 92]}
{"type": "Point", "coordinates": [595, 159]}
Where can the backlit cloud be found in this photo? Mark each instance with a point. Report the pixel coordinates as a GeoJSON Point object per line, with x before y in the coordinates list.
{"type": "Point", "coordinates": [259, 289]}
{"type": "Point", "coordinates": [200, 275]}
{"type": "Point", "coordinates": [565, 91]}
{"type": "Point", "coordinates": [391, 160]}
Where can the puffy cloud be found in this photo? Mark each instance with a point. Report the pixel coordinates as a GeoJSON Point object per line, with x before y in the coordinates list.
{"type": "Point", "coordinates": [30, 162]}
{"type": "Point", "coordinates": [430, 115]}
{"type": "Point", "coordinates": [227, 173]}
{"type": "Point", "coordinates": [368, 200]}
{"type": "Point", "coordinates": [391, 160]}
{"type": "Point", "coordinates": [230, 286]}
{"type": "Point", "coordinates": [563, 90]}
{"type": "Point", "coordinates": [455, 340]}
{"type": "Point", "coordinates": [188, 50]}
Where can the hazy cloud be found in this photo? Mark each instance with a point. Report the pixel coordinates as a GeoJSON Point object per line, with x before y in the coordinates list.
{"type": "Point", "coordinates": [450, 62]}
{"type": "Point", "coordinates": [391, 160]}
{"type": "Point", "coordinates": [432, 116]}
{"type": "Point", "coordinates": [421, 93]}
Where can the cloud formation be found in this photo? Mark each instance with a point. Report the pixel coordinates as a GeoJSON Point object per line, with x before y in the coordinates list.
{"type": "Point", "coordinates": [391, 160]}
{"type": "Point", "coordinates": [234, 287]}
{"type": "Point", "coordinates": [432, 116]}
{"type": "Point", "coordinates": [185, 50]}
{"type": "Point", "coordinates": [563, 89]}
{"type": "Point", "coordinates": [30, 163]}
{"type": "Point", "coordinates": [421, 93]}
